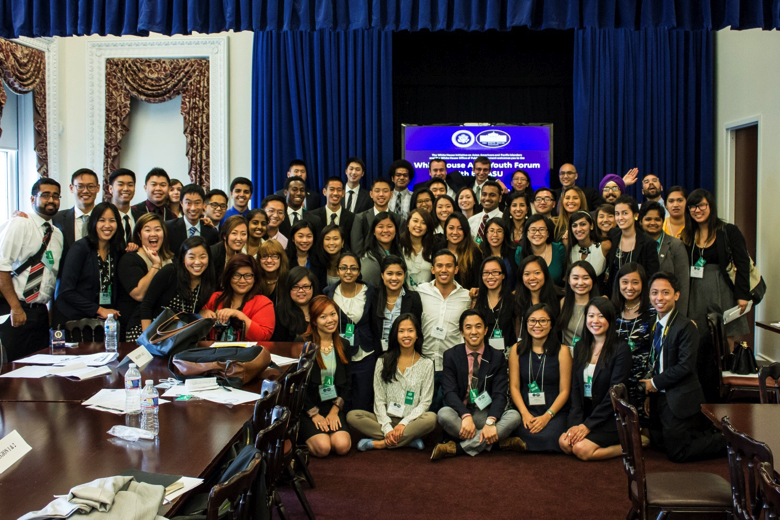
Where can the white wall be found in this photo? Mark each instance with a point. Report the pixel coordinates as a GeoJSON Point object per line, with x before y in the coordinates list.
{"type": "Point", "coordinates": [73, 112]}
{"type": "Point", "coordinates": [747, 75]}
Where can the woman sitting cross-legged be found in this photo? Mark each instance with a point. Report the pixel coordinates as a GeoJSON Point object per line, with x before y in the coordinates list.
{"type": "Point", "coordinates": [403, 391]}
{"type": "Point", "coordinates": [323, 423]}
{"type": "Point", "coordinates": [241, 299]}
{"type": "Point", "coordinates": [601, 361]}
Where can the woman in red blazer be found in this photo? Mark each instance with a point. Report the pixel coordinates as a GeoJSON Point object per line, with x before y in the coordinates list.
{"type": "Point", "coordinates": [242, 299]}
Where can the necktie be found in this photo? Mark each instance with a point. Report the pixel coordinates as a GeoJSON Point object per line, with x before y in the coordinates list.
{"type": "Point", "coordinates": [84, 221]}
{"type": "Point", "coordinates": [33, 285]}
{"type": "Point", "coordinates": [193, 230]}
{"type": "Point", "coordinates": [350, 197]}
{"type": "Point", "coordinates": [657, 342]}
{"type": "Point", "coordinates": [332, 219]}
{"type": "Point", "coordinates": [475, 371]}
{"type": "Point", "coordinates": [128, 231]}
{"type": "Point", "coordinates": [398, 203]}
{"type": "Point", "coordinates": [296, 218]}
{"type": "Point", "coordinates": [481, 232]}
{"type": "Point", "coordinates": [478, 193]}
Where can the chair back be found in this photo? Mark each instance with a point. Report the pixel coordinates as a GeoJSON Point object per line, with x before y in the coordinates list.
{"type": "Point", "coordinates": [308, 353]}
{"type": "Point", "coordinates": [770, 490]}
{"type": "Point", "coordinates": [82, 326]}
{"type": "Point", "coordinates": [270, 442]}
{"type": "Point", "coordinates": [235, 492]}
{"type": "Point", "coordinates": [631, 442]}
{"type": "Point", "coordinates": [745, 455]}
{"type": "Point", "coordinates": [720, 342]}
{"type": "Point", "coordinates": [772, 372]}
{"type": "Point", "coordinates": [265, 405]}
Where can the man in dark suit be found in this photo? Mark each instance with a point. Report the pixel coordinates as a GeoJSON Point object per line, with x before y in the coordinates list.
{"type": "Point", "coordinates": [332, 212]}
{"type": "Point", "coordinates": [295, 191]}
{"type": "Point", "coordinates": [190, 224]}
{"type": "Point", "coordinates": [568, 177]}
{"type": "Point", "coordinates": [156, 186]}
{"type": "Point", "coordinates": [297, 168]}
{"type": "Point", "coordinates": [437, 169]}
{"type": "Point", "coordinates": [121, 185]}
{"type": "Point", "coordinates": [356, 198]}
{"type": "Point", "coordinates": [381, 193]}
{"type": "Point", "coordinates": [85, 186]}
{"type": "Point", "coordinates": [475, 385]}
{"type": "Point", "coordinates": [676, 395]}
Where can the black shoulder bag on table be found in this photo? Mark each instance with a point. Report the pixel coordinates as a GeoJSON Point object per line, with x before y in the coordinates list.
{"type": "Point", "coordinates": [172, 332]}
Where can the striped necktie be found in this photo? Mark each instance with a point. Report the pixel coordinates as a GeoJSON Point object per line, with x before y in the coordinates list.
{"type": "Point", "coordinates": [193, 230]}
{"type": "Point", "coordinates": [481, 232]}
{"type": "Point", "coordinates": [33, 285]}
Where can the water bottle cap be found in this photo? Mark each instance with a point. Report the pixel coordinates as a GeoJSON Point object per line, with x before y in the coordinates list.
{"type": "Point", "coordinates": [110, 316]}
{"type": "Point", "coordinates": [149, 381]}
{"type": "Point", "coordinates": [133, 365]}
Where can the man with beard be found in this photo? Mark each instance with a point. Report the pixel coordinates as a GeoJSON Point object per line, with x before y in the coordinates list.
{"type": "Point", "coordinates": [611, 187]}
{"type": "Point", "coordinates": [652, 190]}
{"type": "Point", "coordinates": [30, 253]}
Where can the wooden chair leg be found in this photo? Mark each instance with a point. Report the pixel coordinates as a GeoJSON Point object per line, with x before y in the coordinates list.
{"type": "Point", "coordinates": [632, 514]}
{"type": "Point", "coordinates": [662, 515]}
{"type": "Point", "coordinates": [280, 506]}
{"type": "Point", "coordinates": [303, 500]}
{"type": "Point", "coordinates": [301, 463]}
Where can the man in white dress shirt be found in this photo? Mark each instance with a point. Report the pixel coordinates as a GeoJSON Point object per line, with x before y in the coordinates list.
{"type": "Point", "coordinates": [30, 253]}
{"type": "Point", "coordinates": [491, 197]}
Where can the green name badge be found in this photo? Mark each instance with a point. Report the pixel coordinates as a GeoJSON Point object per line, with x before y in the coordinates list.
{"type": "Point", "coordinates": [700, 262]}
{"type": "Point", "coordinates": [349, 331]}
{"type": "Point", "coordinates": [574, 341]}
{"type": "Point", "coordinates": [473, 394]}
{"type": "Point", "coordinates": [631, 345]}
{"type": "Point", "coordinates": [327, 381]}
{"type": "Point", "coordinates": [497, 333]}
{"type": "Point", "coordinates": [409, 400]}
{"type": "Point", "coordinates": [49, 257]}
{"type": "Point", "coordinates": [533, 387]}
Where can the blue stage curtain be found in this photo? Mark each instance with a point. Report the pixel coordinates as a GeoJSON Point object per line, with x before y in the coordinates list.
{"type": "Point", "coordinates": [78, 17]}
{"type": "Point", "coordinates": [320, 96]}
{"type": "Point", "coordinates": [644, 99]}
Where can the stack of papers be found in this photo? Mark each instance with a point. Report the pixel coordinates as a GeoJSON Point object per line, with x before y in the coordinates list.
{"type": "Point", "coordinates": [90, 360]}
{"type": "Point", "coordinates": [222, 395]}
{"type": "Point", "coordinates": [77, 370]}
{"type": "Point", "coordinates": [180, 487]}
{"type": "Point", "coordinates": [282, 360]}
{"type": "Point", "coordinates": [111, 400]}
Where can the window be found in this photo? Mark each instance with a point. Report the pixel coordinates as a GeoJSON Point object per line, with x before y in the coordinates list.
{"type": "Point", "coordinates": [18, 163]}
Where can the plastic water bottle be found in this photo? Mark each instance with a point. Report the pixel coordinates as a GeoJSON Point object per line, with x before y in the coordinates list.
{"type": "Point", "coordinates": [112, 332]}
{"type": "Point", "coordinates": [133, 390]}
{"type": "Point", "coordinates": [150, 407]}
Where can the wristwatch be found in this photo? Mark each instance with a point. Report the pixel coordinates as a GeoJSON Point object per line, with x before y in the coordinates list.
{"type": "Point", "coordinates": [490, 422]}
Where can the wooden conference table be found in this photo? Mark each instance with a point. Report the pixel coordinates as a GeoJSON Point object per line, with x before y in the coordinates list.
{"type": "Point", "coordinates": [70, 445]}
{"type": "Point", "coordinates": [760, 421]}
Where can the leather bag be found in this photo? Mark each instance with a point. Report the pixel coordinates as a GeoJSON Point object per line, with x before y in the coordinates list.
{"type": "Point", "coordinates": [171, 332]}
{"type": "Point", "coordinates": [744, 360]}
{"type": "Point", "coordinates": [236, 366]}
{"type": "Point", "coordinates": [757, 283]}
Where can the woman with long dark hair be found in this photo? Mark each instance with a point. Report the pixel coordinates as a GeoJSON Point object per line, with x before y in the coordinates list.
{"type": "Point", "coordinates": [605, 220]}
{"type": "Point", "coordinates": [393, 298]}
{"type": "Point", "coordinates": [458, 240]}
{"type": "Point", "coordinates": [601, 361]}
{"type": "Point", "coordinates": [241, 300]}
{"type": "Point", "coordinates": [324, 422]}
{"type": "Point", "coordinates": [382, 241]}
{"type": "Point", "coordinates": [233, 233]}
{"type": "Point", "coordinates": [422, 199]}
{"type": "Point", "coordinates": [184, 286]}
{"type": "Point", "coordinates": [497, 243]}
{"type": "Point", "coordinates": [417, 247]}
{"type": "Point", "coordinates": [329, 247]}
{"type": "Point", "coordinates": [292, 304]}
{"type": "Point", "coordinates": [467, 202]}
{"type": "Point", "coordinates": [572, 200]}
{"type": "Point", "coordinates": [301, 244]}
{"type": "Point", "coordinates": [585, 243]}
{"type": "Point", "coordinates": [712, 246]}
{"type": "Point", "coordinates": [581, 287]}
{"type": "Point", "coordinates": [534, 285]}
{"type": "Point", "coordinates": [257, 220]}
{"type": "Point", "coordinates": [494, 301]}
{"type": "Point", "coordinates": [538, 241]}
{"type": "Point", "coordinates": [443, 207]}
{"type": "Point", "coordinates": [88, 282]}
{"type": "Point", "coordinates": [274, 268]}
{"type": "Point", "coordinates": [518, 209]}
{"type": "Point", "coordinates": [403, 392]}
{"type": "Point", "coordinates": [174, 197]}
{"type": "Point", "coordinates": [540, 380]}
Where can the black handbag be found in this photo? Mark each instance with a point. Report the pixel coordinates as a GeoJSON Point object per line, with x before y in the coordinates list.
{"type": "Point", "coordinates": [744, 360]}
{"type": "Point", "coordinates": [172, 332]}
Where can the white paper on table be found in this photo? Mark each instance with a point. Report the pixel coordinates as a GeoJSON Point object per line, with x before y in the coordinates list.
{"type": "Point", "coordinates": [282, 360]}
{"type": "Point", "coordinates": [46, 359]}
{"type": "Point", "coordinates": [12, 448]}
{"type": "Point", "coordinates": [79, 370]}
{"type": "Point", "coordinates": [189, 483]}
{"type": "Point", "coordinates": [232, 397]}
{"type": "Point", "coordinates": [175, 391]}
{"type": "Point", "coordinates": [29, 372]}
{"type": "Point", "coordinates": [111, 398]}
{"type": "Point", "coordinates": [200, 384]}
{"type": "Point", "coordinates": [733, 313]}
{"type": "Point", "coordinates": [99, 359]}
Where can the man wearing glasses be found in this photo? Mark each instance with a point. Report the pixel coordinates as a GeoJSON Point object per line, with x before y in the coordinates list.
{"type": "Point", "coordinates": [85, 186]}
{"type": "Point", "coordinates": [216, 205]}
{"type": "Point", "coordinates": [190, 223]}
{"type": "Point", "coordinates": [568, 176]}
{"type": "Point", "coordinates": [544, 201]}
{"type": "Point", "coordinates": [401, 173]}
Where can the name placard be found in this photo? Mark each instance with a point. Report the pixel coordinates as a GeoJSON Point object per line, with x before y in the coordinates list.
{"type": "Point", "coordinates": [12, 448]}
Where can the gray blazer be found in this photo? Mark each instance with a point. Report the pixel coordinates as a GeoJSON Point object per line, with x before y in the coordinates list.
{"type": "Point", "coordinates": [673, 258]}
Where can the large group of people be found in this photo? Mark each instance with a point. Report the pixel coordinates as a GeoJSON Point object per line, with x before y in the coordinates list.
{"type": "Point", "coordinates": [502, 313]}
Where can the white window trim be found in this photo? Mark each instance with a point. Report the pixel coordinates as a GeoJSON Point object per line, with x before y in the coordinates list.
{"type": "Point", "coordinates": [212, 48]}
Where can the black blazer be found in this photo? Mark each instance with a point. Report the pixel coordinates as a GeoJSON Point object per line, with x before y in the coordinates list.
{"type": "Point", "coordinates": [346, 221]}
{"type": "Point", "coordinates": [364, 336]}
{"type": "Point", "coordinates": [679, 378]}
{"type": "Point", "coordinates": [313, 199]}
{"type": "Point", "coordinates": [286, 225]}
{"type": "Point", "coordinates": [361, 228]}
{"type": "Point", "coordinates": [78, 293]}
{"type": "Point", "coordinates": [455, 180]}
{"type": "Point", "coordinates": [65, 222]}
{"type": "Point", "coordinates": [608, 373]}
{"type": "Point", "coordinates": [341, 380]}
{"type": "Point", "coordinates": [218, 258]}
{"type": "Point", "coordinates": [730, 244]}
{"type": "Point", "coordinates": [645, 254]}
{"type": "Point", "coordinates": [177, 234]}
{"type": "Point", "coordinates": [363, 202]}
{"type": "Point", "coordinates": [142, 209]}
{"type": "Point", "coordinates": [411, 302]}
{"type": "Point", "coordinates": [492, 378]}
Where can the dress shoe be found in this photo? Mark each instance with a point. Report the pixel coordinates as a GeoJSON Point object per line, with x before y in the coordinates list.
{"type": "Point", "coordinates": [514, 444]}
{"type": "Point", "coordinates": [445, 449]}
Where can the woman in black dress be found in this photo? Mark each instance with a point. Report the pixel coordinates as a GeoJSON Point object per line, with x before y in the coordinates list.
{"type": "Point", "coordinates": [494, 300]}
{"type": "Point", "coordinates": [601, 361]}
{"type": "Point", "coordinates": [540, 381]}
{"type": "Point", "coordinates": [292, 304]}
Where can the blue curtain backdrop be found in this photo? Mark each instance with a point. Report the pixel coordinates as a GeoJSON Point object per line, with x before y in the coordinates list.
{"type": "Point", "coordinates": [320, 96]}
{"type": "Point", "coordinates": [645, 99]}
{"type": "Point", "coordinates": [79, 17]}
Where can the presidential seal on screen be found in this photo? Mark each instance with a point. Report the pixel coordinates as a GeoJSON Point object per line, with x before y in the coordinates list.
{"type": "Point", "coordinates": [463, 139]}
{"type": "Point", "coordinates": [493, 138]}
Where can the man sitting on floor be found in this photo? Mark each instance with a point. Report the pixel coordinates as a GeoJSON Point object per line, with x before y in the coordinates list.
{"type": "Point", "coordinates": [475, 388]}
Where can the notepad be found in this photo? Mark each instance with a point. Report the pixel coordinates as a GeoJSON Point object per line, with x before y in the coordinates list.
{"type": "Point", "coordinates": [282, 360]}
{"type": "Point", "coordinates": [29, 372]}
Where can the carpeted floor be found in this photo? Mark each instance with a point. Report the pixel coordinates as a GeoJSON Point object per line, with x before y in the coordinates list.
{"type": "Point", "coordinates": [405, 484]}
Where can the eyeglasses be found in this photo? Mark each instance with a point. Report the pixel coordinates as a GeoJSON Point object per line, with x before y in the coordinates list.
{"type": "Point", "coordinates": [246, 276]}
{"type": "Point", "coordinates": [86, 187]}
{"type": "Point", "coordinates": [49, 196]}
{"type": "Point", "coordinates": [302, 288]}
{"type": "Point", "coordinates": [215, 205]}
{"type": "Point", "coordinates": [270, 257]}
{"type": "Point", "coordinates": [352, 269]}
{"type": "Point", "coordinates": [567, 174]}
{"type": "Point", "coordinates": [491, 274]}
{"type": "Point", "coordinates": [609, 189]}
{"type": "Point", "coordinates": [401, 174]}
{"type": "Point", "coordinates": [495, 231]}
{"type": "Point", "coordinates": [546, 200]}
{"type": "Point", "coordinates": [537, 231]}
{"type": "Point", "coordinates": [541, 321]}
{"type": "Point", "coordinates": [701, 206]}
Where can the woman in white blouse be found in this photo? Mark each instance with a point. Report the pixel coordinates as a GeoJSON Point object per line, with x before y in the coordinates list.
{"type": "Point", "coordinates": [417, 246]}
{"type": "Point", "coordinates": [403, 391]}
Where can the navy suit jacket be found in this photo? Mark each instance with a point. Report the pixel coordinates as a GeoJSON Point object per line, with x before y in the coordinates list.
{"type": "Point", "coordinates": [492, 378]}
{"type": "Point", "coordinates": [177, 234]}
{"type": "Point", "coordinates": [346, 222]}
{"type": "Point", "coordinates": [363, 202]}
{"type": "Point", "coordinates": [141, 208]}
{"type": "Point", "coordinates": [313, 199]}
{"type": "Point", "coordinates": [65, 222]}
{"type": "Point", "coordinates": [286, 226]}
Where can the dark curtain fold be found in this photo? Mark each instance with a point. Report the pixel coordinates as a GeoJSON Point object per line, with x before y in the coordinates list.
{"type": "Point", "coordinates": [157, 81]}
{"type": "Point", "coordinates": [140, 17]}
{"type": "Point", "coordinates": [23, 69]}
{"type": "Point", "coordinates": [644, 99]}
{"type": "Point", "coordinates": [322, 97]}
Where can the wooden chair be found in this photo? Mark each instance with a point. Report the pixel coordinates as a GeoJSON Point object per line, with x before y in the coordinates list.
{"type": "Point", "coordinates": [678, 491]}
{"type": "Point", "coordinates": [261, 417]}
{"type": "Point", "coordinates": [82, 326]}
{"type": "Point", "coordinates": [270, 442]}
{"type": "Point", "coordinates": [308, 353]}
{"type": "Point", "coordinates": [745, 454]}
{"type": "Point", "coordinates": [769, 372]}
{"type": "Point", "coordinates": [770, 490]}
{"type": "Point", "coordinates": [235, 492]}
{"type": "Point", "coordinates": [730, 385]}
